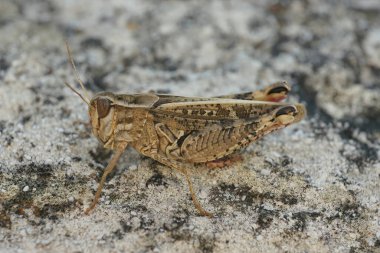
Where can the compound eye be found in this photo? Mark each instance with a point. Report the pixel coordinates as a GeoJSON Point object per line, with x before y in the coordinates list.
{"type": "Point", "coordinates": [103, 107]}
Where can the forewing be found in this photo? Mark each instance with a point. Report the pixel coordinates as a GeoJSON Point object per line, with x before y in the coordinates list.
{"type": "Point", "coordinates": [195, 114]}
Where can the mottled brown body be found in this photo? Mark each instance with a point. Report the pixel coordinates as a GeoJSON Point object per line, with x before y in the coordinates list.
{"type": "Point", "coordinates": [188, 130]}
{"type": "Point", "coordinates": [182, 131]}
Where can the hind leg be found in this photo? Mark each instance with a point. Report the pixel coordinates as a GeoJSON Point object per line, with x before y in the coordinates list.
{"type": "Point", "coordinates": [273, 93]}
{"type": "Point", "coordinates": [224, 162]}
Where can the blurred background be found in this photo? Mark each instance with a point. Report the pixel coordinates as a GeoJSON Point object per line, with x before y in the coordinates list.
{"type": "Point", "coordinates": [328, 51]}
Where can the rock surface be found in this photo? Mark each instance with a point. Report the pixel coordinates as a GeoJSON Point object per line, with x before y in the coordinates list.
{"type": "Point", "coordinates": [312, 187]}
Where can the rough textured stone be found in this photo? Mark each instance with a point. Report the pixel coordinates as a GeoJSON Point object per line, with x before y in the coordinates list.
{"type": "Point", "coordinates": [313, 187]}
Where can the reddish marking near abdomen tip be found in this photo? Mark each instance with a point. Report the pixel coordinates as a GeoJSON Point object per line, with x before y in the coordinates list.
{"type": "Point", "coordinates": [278, 99]}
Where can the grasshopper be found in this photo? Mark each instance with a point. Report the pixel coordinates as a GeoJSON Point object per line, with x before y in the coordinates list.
{"type": "Point", "coordinates": [180, 132]}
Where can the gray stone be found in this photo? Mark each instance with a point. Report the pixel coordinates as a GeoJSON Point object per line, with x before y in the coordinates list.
{"type": "Point", "coordinates": [312, 187]}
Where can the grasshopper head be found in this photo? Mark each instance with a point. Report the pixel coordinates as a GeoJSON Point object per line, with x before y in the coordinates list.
{"type": "Point", "coordinates": [101, 110]}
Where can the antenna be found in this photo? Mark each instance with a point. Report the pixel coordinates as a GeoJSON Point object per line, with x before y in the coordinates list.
{"type": "Point", "coordinates": [71, 60]}
{"type": "Point", "coordinates": [76, 92]}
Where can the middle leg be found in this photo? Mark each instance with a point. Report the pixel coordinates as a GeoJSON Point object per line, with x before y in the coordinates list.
{"type": "Point", "coordinates": [179, 167]}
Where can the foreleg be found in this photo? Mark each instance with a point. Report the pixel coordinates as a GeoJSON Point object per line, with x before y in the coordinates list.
{"type": "Point", "coordinates": [110, 167]}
